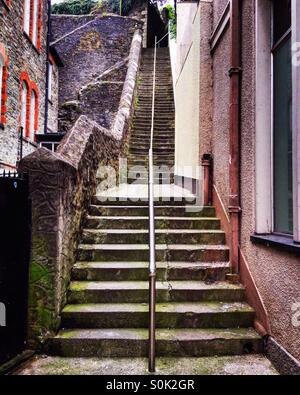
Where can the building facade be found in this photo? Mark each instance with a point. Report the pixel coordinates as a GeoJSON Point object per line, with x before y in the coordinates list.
{"type": "Point", "coordinates": [23, 77]}
{"type": "Point", "coordinates": [248, 117]}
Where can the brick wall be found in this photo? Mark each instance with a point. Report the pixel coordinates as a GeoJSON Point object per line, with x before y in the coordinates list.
{"type": "Point", "coordinates": [22, 56]}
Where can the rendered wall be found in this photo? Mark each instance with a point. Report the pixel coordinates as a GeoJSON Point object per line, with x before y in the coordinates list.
{"type": "Point", "coordinates": [187, 91]}
{"type": "Point", "coordinates": [276, 273]}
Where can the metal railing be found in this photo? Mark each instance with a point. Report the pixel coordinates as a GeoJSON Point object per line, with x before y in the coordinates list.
{"type": "Point", "coordinates": [152, 261]}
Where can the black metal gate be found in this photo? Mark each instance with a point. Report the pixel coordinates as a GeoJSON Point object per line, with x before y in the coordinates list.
{"type": "Point", "coordinates": [14, 262]}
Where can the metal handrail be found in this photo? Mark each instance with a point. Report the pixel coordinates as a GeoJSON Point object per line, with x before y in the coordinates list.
{"type": "Point", "coordinates": [152, 262]}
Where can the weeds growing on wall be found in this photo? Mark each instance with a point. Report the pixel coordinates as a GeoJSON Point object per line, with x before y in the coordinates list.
{"type": "Point", "coordinates": [74, 7]}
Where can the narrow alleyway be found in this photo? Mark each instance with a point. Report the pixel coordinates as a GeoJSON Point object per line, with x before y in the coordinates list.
{"type": "Point", "coordinates": [199, 314]}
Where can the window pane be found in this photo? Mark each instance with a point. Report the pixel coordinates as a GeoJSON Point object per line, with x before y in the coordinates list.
{"type": "Point", "coordinates": [35, 22]}
{"type": "Point", "coordinates": [283, 170]}
{"type": "Point", "coordinates": [32, 114]}
{"type": "Point", "coordinates": [27, 16]}
{"type": "Point", "coordinates": [282, 18]}
{"type": "Point", "coordinates": [24, 107]}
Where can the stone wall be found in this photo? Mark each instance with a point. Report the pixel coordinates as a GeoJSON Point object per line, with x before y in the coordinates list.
{"type": "Point", "coordinates": [95, 53]}
{"type": "Point", "coordinates": [22, 56]}
{"type": "Point", "coordinates": [61, 185]}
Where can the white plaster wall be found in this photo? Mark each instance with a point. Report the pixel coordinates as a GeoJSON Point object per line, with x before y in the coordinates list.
{"type": "Point", "coordinates": [187, 90]}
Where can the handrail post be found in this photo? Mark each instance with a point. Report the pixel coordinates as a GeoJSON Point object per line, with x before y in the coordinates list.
{"type": "Point", "coordinates": [152, 262]}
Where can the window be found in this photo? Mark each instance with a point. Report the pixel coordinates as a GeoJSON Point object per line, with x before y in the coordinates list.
{"type": "Point", "coordinates": [27, 16]}
{"type": "Point", "coordinates": [277, 155]}
{"type": "Point", "coordinates": [24, 107]}
{"type": "Point", "coordinates": [33, 110]}
{"type": "Point", "coordinates": [50, 76]}
{"type": "Point", "coordinates": [33, 20]}
{"type": "Point", "coordinates": [282, 117]}
{"type": "Point", "coordinates": [29, 107]}
{"type": "Point", "coordinates": [3, 83]}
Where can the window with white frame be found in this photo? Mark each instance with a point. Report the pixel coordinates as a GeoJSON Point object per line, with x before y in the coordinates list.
{"type": "Point", "coordinates": [33, 112]}
{"type": "Point", "coordinates": [277, 118]}
{"type": "Point", "coordinates": [24, 102]}
{"type": "Point", "coordinates": [282, 117]}
{"type": "Point", "coordinates": [27, 16]}
{"type": "Point", "coordinates": [50, 78]}
{"type": "Point", "coordinates": [35, 14]}
{"type": "Point", "coordinates": [1, 82]}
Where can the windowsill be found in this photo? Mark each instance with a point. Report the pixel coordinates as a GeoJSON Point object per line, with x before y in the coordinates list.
{"type": "Point", "coordinates": [284, 243]}
{"type": "Point", "coordinates": [31, 43]}
{"type": "Point", "coordinates": [2, 127]}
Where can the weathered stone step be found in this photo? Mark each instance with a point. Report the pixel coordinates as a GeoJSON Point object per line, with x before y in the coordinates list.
{"type": "Point", "coordinates": [163, 252]}
{"type": "Point", "coordinates": [139, 271]}
{"type": "Point", "coordinates": [164, 157]}
{"type": "Point", "coordinates": [160, 133]}
{"type": "Point", "coordinates": [164, 137]}
{"type": "Point", "coordinates": [158, 152]}
{"type": "Point", "coordinates": [185, 211]}
{"type": "Point", "coordinates": [162, 145]}
{"type": "Point", "coordinates": [83, 292]}
{"type": "Point", "coordinates": [143, 161]}
{"type": "Point", "coordinates": [163, 236]}
{"type": "Point", "coordinates": [156, 181]}
{"type": "Point", "coordinates": [161, 222]}
{"type": "Point", "coordinates": [168, 315]}
{"type": "Point", "coordinates": [134, 342]}
{"type": "Point", "coordinates": [162, 201]}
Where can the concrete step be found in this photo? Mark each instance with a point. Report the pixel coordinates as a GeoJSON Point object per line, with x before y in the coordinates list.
{"type": "Point", "coordinates": [139, 271]}
{"type": "Point", "coordinates": [134, 342]}
{"type": "Point", "coordinates": [165, 136]}
{"type": "Point", "coordinates": [83, 292]}
{"type": "Point", "coordinates": [185, 211]}
{"type": "Point", "coordinates": [161, 222]}
{"type": "Point", "coordinates": [164, 252]}
{"type": "Point", "coordinates": [127, 201]}
{"type": "Point", "coordinates": [163, 236]}
{"type": "Point", "coordinates": [168, 315]}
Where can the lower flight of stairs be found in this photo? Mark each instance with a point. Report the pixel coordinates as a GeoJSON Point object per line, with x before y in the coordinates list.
{"type": "Point", "coordinates": [198, 312]}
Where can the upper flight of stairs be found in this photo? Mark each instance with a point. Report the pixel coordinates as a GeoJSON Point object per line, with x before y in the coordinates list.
{"type": "Point", "coordinates": [199, 313]}
{"type": "Point", "coordinates": [164, 119]}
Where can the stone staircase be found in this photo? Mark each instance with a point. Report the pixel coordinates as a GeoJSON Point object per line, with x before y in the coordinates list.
{"type": "Point", "coordinates": [199, 313]}
{"type": "Point", "coordinates": [164, 119]}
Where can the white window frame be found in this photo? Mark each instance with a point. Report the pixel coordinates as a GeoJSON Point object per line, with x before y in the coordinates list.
{"type": "Point", "coordinates": [27, 17]}
{"type": "Point", "coordinates": [2, 64]}
{"type": "Point", "coordinates": [35, 14]}
{"type": "Point", "coordinates": [50, 80]}
{"type": "Point", "coordinates": [33, 108]}
{"type": "Point", "coordinates": [24, 106]}
{"type": "Point", "coordinates": [264, 120]}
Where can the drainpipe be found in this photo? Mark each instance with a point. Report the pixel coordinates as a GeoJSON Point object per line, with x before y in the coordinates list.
{"type": "Point", "coordinates": [47, 67]}
{"type": "Point", "coordinates": [235, 77]}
